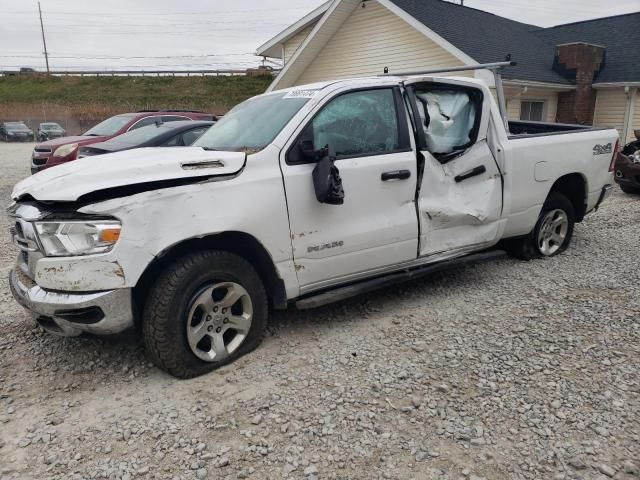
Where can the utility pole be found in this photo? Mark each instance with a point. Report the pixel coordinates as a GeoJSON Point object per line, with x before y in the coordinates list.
{"type": "Point", "coordinates": [44, 42]}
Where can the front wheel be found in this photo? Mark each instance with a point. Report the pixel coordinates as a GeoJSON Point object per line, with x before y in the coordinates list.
{"type": "Point", "coordinates": [552, 233]}
{"type": "Point", "coordinates": [206, 310]}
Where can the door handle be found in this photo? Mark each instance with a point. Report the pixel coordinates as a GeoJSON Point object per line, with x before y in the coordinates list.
{"type": "Point", "coordinates": [479, 170]}
{"type": "Point", "coordinates": [395, 175]}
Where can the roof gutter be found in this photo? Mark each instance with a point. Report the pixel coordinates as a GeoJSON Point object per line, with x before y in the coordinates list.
{"type": "Point", "coordinates": [534, 84]}
{"type": "Point", "coordinates": [616, 84]}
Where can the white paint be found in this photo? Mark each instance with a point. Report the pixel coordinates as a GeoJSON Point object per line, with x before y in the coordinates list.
{"type": "Point", "coordinates": [376, 229]}
{"type": "Point", "coordinates": [543, 171]}
{"type": "Point", "coordinates": [69, 181]}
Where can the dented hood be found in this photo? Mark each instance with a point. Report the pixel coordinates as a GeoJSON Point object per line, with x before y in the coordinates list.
{"type": "Point", "coordinates": [139, 167]}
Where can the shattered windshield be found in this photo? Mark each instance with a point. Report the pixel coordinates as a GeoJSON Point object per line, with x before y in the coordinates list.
{"type": "Point", "coordinates": [252, 125]}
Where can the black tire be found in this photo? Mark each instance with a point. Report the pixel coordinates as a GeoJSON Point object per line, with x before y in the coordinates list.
{"type": "Point", "coordinates": [630, 190]}
{"type": "Point", "coordinates": [170, 299]}
{"type": "Point", "coordinates": [528, 248]}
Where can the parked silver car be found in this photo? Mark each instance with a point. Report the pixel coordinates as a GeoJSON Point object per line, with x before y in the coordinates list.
{"type": "Point", "coordinates": [49, 130]}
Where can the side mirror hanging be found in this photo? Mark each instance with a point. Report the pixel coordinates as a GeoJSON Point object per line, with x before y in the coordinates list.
{"type": "Point", "coordinates": [326, 180]}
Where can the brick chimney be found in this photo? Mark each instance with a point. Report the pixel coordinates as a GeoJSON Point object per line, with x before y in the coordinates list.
{"type": "Point", "coordinates": [579, 63]}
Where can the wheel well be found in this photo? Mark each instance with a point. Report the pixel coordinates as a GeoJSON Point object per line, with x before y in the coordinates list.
{"type": "Point", "coordinates": [240, 243]}
{"type": "Point", "coordinates": [574, 187]}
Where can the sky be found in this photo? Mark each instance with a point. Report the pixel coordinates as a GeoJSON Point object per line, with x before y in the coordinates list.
{"type": "Point", "coordinates": [200, 34]}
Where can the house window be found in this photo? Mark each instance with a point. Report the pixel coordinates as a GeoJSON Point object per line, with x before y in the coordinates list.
{"type": "Point", "coordinates": [532, 111]}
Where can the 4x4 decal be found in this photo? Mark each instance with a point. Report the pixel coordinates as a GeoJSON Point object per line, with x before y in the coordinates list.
{"type": "Point", "coordinates": [602, 149]}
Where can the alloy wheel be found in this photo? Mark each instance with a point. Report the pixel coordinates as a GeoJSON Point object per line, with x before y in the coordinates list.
{"type": "Point", "coordinates": [552, 232]}
{"type": "Point", "coordinates": [218, 320]}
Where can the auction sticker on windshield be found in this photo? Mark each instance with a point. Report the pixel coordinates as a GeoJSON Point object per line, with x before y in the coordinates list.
{"type": "Point", "coordinates": [301, 94]}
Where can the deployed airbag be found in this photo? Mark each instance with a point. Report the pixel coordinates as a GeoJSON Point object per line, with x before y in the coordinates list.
{"type": "Point", "coordinates": [449, 119]}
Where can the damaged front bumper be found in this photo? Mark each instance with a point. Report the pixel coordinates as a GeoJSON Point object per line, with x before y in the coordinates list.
{"type": "Point", "coordinates": [70, 314]}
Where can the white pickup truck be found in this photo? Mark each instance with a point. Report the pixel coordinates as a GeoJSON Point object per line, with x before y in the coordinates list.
{"type": "Point", "coordinates": [301, 196]}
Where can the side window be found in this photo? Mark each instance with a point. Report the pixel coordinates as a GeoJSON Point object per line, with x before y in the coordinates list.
{"type": "Point", "coordinates": [192, 135]}
{"type": "Point", "coordinates": [144, 122]}
{"type": "Point", "coordinates": [358, 123]}
{"type": "Point", "coordinates": [449, 117]}
{"type": "Point", "coordinates": [173, 141]}
{"type": "Point", "coordinates": [173, 118]}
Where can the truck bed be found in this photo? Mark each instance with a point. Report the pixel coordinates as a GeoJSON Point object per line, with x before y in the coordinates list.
{"type": "Point", "coordinates": [519, 128]}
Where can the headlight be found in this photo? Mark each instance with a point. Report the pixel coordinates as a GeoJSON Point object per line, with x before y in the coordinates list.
{"type": "Point", "coordinates": [65, 150]}
{"type": "Point", "coordinates": [61, 239]}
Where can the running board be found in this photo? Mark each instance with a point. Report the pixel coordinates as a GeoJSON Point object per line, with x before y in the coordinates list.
{"type": "Point", "coordinates": [342, 293]}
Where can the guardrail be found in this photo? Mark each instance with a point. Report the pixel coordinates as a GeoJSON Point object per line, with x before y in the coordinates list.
{"type": "Point", "coordinates": [115, 73]}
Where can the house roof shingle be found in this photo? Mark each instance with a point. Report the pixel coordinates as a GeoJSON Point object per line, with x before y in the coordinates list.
{"type": "Point", "coordinates": [621, 36]}
{"type": "Point", "coordinates": [488, 38]}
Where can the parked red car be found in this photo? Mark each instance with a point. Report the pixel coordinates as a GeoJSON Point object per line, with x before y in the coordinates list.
{"type": "Point", "coordinates": [60, 150]}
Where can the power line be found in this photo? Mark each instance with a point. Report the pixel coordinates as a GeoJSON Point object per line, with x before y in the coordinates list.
{"type": "Point", "coordinates": [142, 57]}
{"type": "Point", "coordinates": [148, 14]}
{"type": "Point", "coordinates": [172, 24]}
{"type": "Point", "coordinates": [142, 67]}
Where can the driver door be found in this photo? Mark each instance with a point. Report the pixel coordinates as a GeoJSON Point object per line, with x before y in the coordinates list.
{"type": "Point", "coordinates": [376, 226]}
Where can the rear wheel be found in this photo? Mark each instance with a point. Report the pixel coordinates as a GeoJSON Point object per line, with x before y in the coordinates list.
{"type": "Point", "coordinates": [552, 233]}
{"type": "Point", "coordinates": [206, 310]}
{"type": "Point", "coordinates": [630, 190]}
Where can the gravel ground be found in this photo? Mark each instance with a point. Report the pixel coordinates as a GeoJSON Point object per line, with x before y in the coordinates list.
{"type": "Point", "coordinates": [506, 370]}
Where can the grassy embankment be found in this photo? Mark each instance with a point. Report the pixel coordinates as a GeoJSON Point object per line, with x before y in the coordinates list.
{"type": "Point", "coordinates": [78, 102]}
